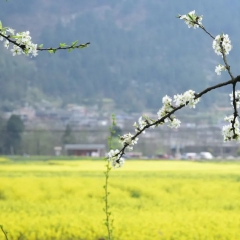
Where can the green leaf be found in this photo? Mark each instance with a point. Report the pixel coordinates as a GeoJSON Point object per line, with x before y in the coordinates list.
{"type": "Point", "coordinates": [54, 50]}
{"type": "Point", "coordinates": [50, 51]}
{"type": "Point", "coordinates": [74, 43]}
{"type": "Point", "coordinates": [0, 25]}
{"type": "Point", "coordinates": [70, 49]}
{"type": "Point", "coordinates": [14, 36]}
{"type": "Point", "coordinates": [62, 45]}
{"type": "Point", "coordinates": [40, 46]}
{"type": "Point", "coordinates": [190, 17]}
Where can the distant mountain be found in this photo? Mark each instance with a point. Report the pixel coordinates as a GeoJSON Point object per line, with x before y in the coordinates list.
{"type": "Point", "coordinates": [139, 51]}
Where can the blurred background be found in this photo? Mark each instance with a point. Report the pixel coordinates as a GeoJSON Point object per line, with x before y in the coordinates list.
{"type": "Point", "coordinates": [139, 52]}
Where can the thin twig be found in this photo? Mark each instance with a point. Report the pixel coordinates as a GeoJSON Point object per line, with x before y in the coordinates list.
{"type": "Point", "coordinates": [204, 29]}
{"type": "Point", "coordinates": [4, 232]}
{"type": "Point", "coordinates": [65, 48]}
{"type": "Point", "coordinates": [22, 46]}
{"type": "Point", "coordinates": [108, 220]}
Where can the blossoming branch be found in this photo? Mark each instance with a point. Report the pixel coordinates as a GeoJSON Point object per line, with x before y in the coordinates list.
{"type": "Point", "coordinates": [221, 46]}
{"type": "Point", "coordinates": [21, 43]}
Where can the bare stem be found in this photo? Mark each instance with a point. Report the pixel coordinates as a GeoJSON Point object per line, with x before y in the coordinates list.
{"type": "Point", "coordinates": [204, 29]}
{"type": "Point", "coordinates": [108, 220]}
{"type": "Point", "coordinates": [4, 232]}
{"type": "Point", "coordinates": [106, 208]}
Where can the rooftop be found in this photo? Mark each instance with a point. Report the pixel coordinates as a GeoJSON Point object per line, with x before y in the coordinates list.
{"type": "Point", "coordinates": [84, 146]}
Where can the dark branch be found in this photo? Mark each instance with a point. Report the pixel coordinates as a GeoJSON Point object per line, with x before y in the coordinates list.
{"type": "Point", "coordinates": [161, 120]}
{"type": "Point", "coordinates": [23, 47]}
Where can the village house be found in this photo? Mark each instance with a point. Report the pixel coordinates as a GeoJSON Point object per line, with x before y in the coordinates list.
{"type": "Point", "coordinates": [91, 150]}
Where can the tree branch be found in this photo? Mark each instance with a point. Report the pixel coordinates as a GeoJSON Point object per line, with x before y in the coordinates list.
{"type": "Point", "coordinates": [65, 47]}
{"type": "Point", "coordinates": [161, 120]}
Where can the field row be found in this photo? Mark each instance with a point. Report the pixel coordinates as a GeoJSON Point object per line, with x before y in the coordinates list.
{"type": "Point", "coordinates": [149, 200]}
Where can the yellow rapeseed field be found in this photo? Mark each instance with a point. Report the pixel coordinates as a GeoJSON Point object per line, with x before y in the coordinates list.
{"type": "Point", "coordinates": [149, 200]}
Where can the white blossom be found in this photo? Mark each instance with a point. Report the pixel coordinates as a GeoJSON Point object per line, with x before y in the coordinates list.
{"type": "Point", "coordinates": [113, 157]}
{"type": "Point", "coordinates": [187, 97]}
{"type": "Point", "coordinates": [136, 126]}
{"type": "Point", "coordinates": [166, 100]}
{"type": "Point", "coordinates": [23, 41]}
{"type": "Point", "coordinates": [227, 130]}
{"type": "Point", "coordinates": [166, 108]}
{"type": "Point", "coordinates": [6, 44]}
{"type": "Point", "coordinates": [11, 31]}
{"type": "Point", "coordinates": [178, 99]}
{"type": "Point", "coordinates": [16, 50]}
{"type": "Point", "coordinates": [229, 118]}
{"type": "Point", "coordinates": [219, 68]}
{"type": "Point", "coordinates": [118, 163]}
{"type": "Point", "coordinates": [224, 41]}
{"type": "Point", "coordinates": [192, 19]}
{"type": "Point", "coordinates": [24, 38]}
{"type": "Point", "coordinates": [174, 123]}
{"type": "Point", "coordinates": [129, 140]}
{"type": "Point", "coordinates": [113, 153]}
{"type": "Point", "coordinates": [237, 98]}
{"type": "Point", "coordinates": [141, 124]}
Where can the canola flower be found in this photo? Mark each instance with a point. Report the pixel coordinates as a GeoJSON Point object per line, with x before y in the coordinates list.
{"type": "Point", "coordinates": [150, 200]}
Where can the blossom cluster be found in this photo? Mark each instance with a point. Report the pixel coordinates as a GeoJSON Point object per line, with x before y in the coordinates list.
{"type": "Point", "coordinates": [113, 157]}
{"type": "Point", "coordinates": [192, 19]}
{"type": "Point", "coordinates": [180, 99]}
{"type": "Point", "coordinates": [169, 104]}
{"type": "Point", "coordinates": [142, 122]}
{"type": "Point", "coordinates": [166, 108]}
{"type": "Point", "coordinates": [187, 97]}
{"type": "Point", "coordinates": [23, 43]}
{"type": "Point", "coordinates": [231, 131]}
{"type": "Point", "coordinates": [222, 43]}
{"type": "Point", "coordinates": [219, 68]}
{"type": "Point", "coordinates": [129, 140]}
{"type": "Point", "coordinates": [173, 122]}
{"type": "Point", "coordinates": [237, 98]}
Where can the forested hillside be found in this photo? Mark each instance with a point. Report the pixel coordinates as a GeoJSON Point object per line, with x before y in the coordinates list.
{"type": "Point", "coordinates": [139, 51]}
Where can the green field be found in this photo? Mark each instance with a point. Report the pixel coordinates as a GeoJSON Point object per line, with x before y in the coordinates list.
{"type": "Point", "coordinates": [150, 200]}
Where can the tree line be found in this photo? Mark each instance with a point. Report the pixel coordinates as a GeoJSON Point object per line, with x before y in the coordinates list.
{"type": "Point", "coordinates": [129, 55]}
